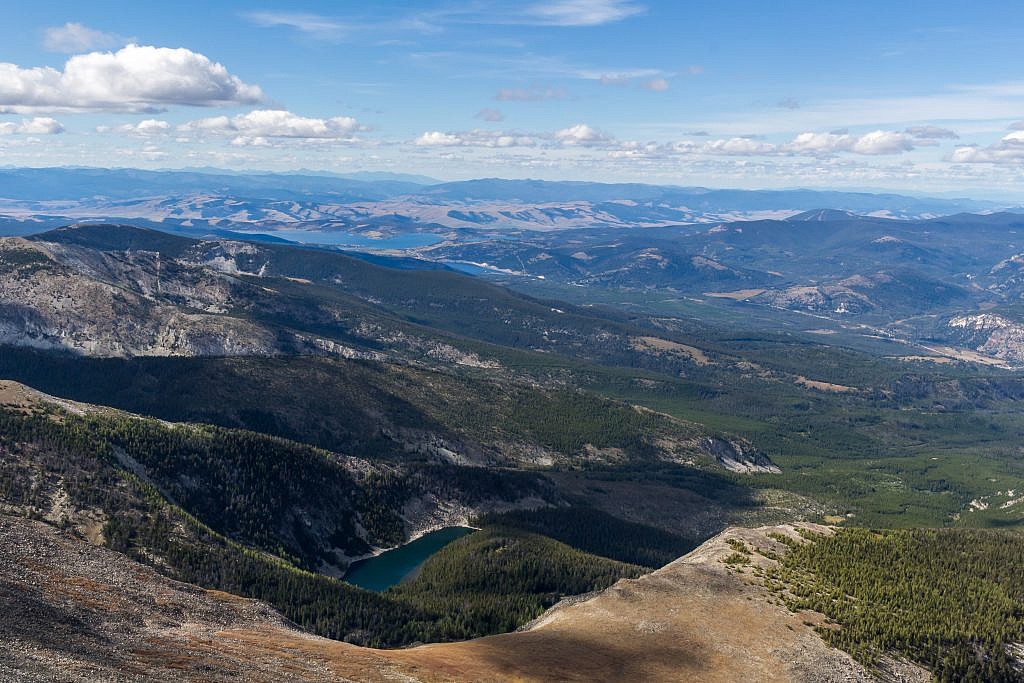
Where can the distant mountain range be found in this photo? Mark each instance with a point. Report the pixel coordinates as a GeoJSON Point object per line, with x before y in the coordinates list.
{"type": "Point", "coordinates": [909, 279]}
{"type": "Point", "coordinates": [905, 265]}
{"type": "Point", "coordinates": [386, 203]}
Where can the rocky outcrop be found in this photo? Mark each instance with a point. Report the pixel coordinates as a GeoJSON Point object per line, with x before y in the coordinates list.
{"type": "Point", "coordinates": [989, 334]}
{"type": "Point", "coordinates": [736, 454]}
{"type": "Point", "coordinates": [55, 296]}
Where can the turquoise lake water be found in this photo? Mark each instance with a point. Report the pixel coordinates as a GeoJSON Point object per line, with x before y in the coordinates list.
{"type": "Point", "coordinates": [394, 566]}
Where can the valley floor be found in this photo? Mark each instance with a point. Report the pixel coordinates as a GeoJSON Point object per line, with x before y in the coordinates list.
{"type": "Point", "coordinates": [89, 614]}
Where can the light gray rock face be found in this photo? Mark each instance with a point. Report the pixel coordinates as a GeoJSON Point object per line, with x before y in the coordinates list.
{"type": "Point", "coordinates": [120, 304]}
{"type": "Point", "coordinates": [989, 334]}
{"type": "Point", "coordinates": [736, 454]}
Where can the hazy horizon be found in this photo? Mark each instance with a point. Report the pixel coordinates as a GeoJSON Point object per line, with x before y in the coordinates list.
{"type": "Point", "coordinates": [597, 90]}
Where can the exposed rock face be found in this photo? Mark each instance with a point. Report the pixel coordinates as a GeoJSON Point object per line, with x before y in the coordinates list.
{"type": "Point", "coordinates": [989, 334]}
{"type": "Point", "coordinates": [1008, 276]}
{"type": "Point", "coordinates": [119, 303]}
{"type": "Point", "coordinates": [84, 613]}
{"type": "Point", "coordinates": [736, 455]}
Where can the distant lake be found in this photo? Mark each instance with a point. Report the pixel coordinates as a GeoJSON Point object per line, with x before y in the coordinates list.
{"type": "Point", "coordinates": [407, 240]}
{"type": "Point", "coordinates": [394, 566]}
{"type": "Point", "coordinates": [470, 268]}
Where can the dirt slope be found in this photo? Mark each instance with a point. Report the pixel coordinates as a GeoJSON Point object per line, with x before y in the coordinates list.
{"type": "Point", "coordinates": [75, 612]}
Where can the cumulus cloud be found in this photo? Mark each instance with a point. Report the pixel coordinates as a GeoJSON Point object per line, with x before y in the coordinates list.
{"type": "Point", "coordinates": [152, 127]}
{"type": "Point", "coordinates": [475, 138]}
{"type": "Point", "coordinates": [873, 143]}
{"type": "Point", "coordinates": [257, 126]}
{"type": "Point", "coordinates": [73, 37]}
{"type": "Point", "coordinates": [531, 94]}
{"type": "Point", "coordinates": [810, 144]}
{"type": "Point", "coordinates": [145, 128]}
{"type": "Point", "coordinates": [436, 138]}
{"type": "Point", "coordinates": [819, 143]}
{"type": "Point", "coordinates": [882, 142]}
{"type": "Point", "coordinates": [582, 12]}
{"type": "Point", "coordinates": [136, 78]}
{"type": "Point", "coordinates": [737, 146]}
{"type": "Point", "coordinates": [488, 114]}
{"type": "Point", "coordinates": [40, 125]}
{"type": "Point", "coordinates": [931, 133]}
{"type": "Point", "coordinates": [1018, 125]}
{"type": "Point", "coordinates": [1009, 150]}
{"type": "Point", "coordinates": [582, 135]}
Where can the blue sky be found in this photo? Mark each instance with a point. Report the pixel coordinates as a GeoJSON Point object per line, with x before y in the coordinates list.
{"type": "Point", "coordinates": [925, 96]}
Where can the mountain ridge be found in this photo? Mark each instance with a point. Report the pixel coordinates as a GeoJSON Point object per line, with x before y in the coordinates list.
{"type": "Point", "coordinates": [370, 203]}
{"type": "Point", "coordinates": [689, 612]}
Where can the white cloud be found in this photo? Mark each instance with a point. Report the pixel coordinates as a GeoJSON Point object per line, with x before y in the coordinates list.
{"type": "Point", "coordinates": [819, 143]}
{"type": "Point", "coordinates": [531, 94]}
{"type": "Point", "coordinates": [582, 135]}
{"type": "Point", "coordinates": [811, 144]}
{"type": "Point", "coordinates": [73, 37]}
{"type": "Point", "coordinates": [135, 78]}
{"type": "Point", "coordinates": [582, 12]}
{"type": "Point", "coordinates": [250, 141]}
{"type": "Point", "coordinates": [144, 128]}
{"type": "Point", "coordinates": [315, 25]}
{"type": "Point", "coordinates": [1009, 150]}
{"type": "Point", "coordinates": [488, 114]}
{"type": "Point", "coordinates": [882, 142]}
{"type": "Point", "coordinates": [153, 153]}
{"type": "Point", "coordinates": [321, 27]}
{"type": "Point", "coordinates": [436, 138]}
{"type": "Point", "coordinates": [40, 125]}
{"type": "Point", "coordinates": [657, 85]}
{"type": "Point", "coordinates": [737, 146]}
{"type": "Point", "coordinates": [152, 127]}
{"type": "Point", "coordinates": [873, 143]}
{"type": "Point", "coordinates": [274, 123]}
{"type": "Point", "coordinates": [475, 138]}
